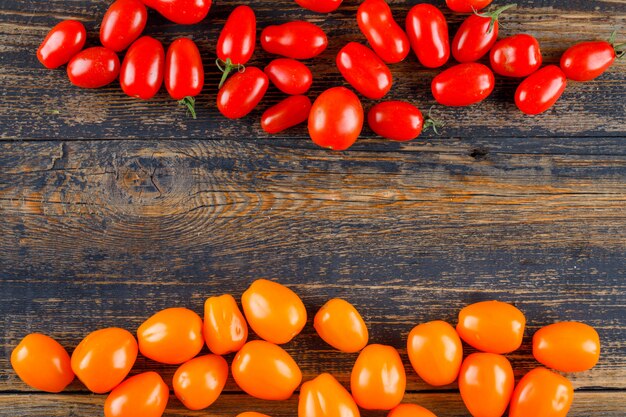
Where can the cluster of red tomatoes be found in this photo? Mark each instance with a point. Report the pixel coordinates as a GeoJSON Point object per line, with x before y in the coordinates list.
{"type": "Point", "coordinates": [263, 369]}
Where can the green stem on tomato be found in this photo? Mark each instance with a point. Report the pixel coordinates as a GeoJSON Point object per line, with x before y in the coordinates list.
{"type": "Point", "coordinates": [190, 104]}
{"type": "Point", "coordinates": [226, 67]}
{"type": "Point", "coordinates": [620, 48]}
{"type": "Point", "coordinates": [495, 15]}
{"type": "Point", "coordinates": [431, 122]}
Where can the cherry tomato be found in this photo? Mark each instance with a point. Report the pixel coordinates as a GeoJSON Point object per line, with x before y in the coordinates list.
{"type": "Point", "coordinates": [397, 120]}
{"type": "Point", "coordinates": [289, 76]}
{"type": "Point", "coordinates": [378, 380]}
{"type": "Point", "coordinates": [122, 24]}
{"type": "Point", "coordinates": [541, 393]}
{"type": "Point", "coordinates": [288, 113]}
{"type": "Point", "coordinates": [340, 325]}
{"type": "Point", "coordinates": [264, 370]}
{"type": "Point", "coordinates": [144, 395]}
{"type": "Point", "coordinates": [297, 40]}
{"type": "Point", "coordinates": [320, 6]}
{"type": "Point", "coordinates": [336, 119]}
{"type": "Point", "coordinates": [199, 382]}
{"type": "Point", "coordinates": [492, 326]}
{"type": "Point", "coordinates": [567, 346]}
{"type": "Point", "coordinates": [183, 12]}
{"type": "Point", "coordinates": [385, 36]}
{"type": "Point", "coordinates": [273, 311]}
{"type": "Point", "coordinates": [516, 56]}
{"type": "Point", "coordinates": [428, 33]}
{"type": "Point", "coordinates": [42, 363]}
{"type": "Point", "coordinates": [435, 352]}
{"type": "Point", "coordinates": [410, 410]}
{"type": "Point", "coordinates": [172, 336]}
{"type": "Point", "coordinates": [463, 84]}
{"type": "Point", "coordinates": [237, 40]}
{"type": "Point", "coordinates": [324, 396]}
{"type": "Point", "coordinates": [141, 75]}
{"type": "Point", "coordinates": [242, 92]}
{"type": "Point", "coordinates": [467, 6]}
{"type": "Point", "coordinates": [225, 329]}
{"type": "Point", "coordinates": [93, 68]}
{"type": "Point", "coordinates": [486, 383]}
{"type": "Point", "coordinates": [103, 358]}
{"type": "Point", "coordinates": [588, 60]}
{"type": "Point", "coordinates": [184, 73]}
{"type": "Point", "coordinates": [540, 90]}
{"type": "Point", "coordinates": [364, 70]}
{"type": "Point", "coordinates": [61, 44]}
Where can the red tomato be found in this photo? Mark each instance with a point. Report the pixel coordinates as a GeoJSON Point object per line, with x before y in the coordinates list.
{"type": "Point", "coordinates": [297, 40]}
{"type": "Point", "coordinates": [540, 90]}
{"type": "Point", "coordinates": [225, 329]}
{"type": "Point", "coordinates": [141, 75]}
{"type": "Point", "coordinates": [242, 92]}
{"type": "Point", "coordinates": [588, 60]}
{"type": "Point", "coordinates": [61, 44]}
{"type": "Point", "coordinates": [324, 396]}
{"type": "Point", "coordinates": [396, 120]}
{"type": "Point", "coordinates": [541, 393]}
{"type": "Point", "coordinates": [486, 383]}
{"type": "Point", "coordinates": [183, 12]}
{"type": "Point", "coordinates": [289, 76]}
{"type": "Point", "coordinates": [144, 395]}
{"type": "Point", "coordinates": [336, 119]}
{"type": "Point", "coordinates": [516, 56]}
{"type": "Point", "coordinates": [184, 73]}
{"type": "Point", "coordinates": [237, 40]}
{"type": "Point", "coordinates": [199, 382]}
{"type": "Point", "coordinates": [385, 36]}
{"type": "Point", "coordinates": [288, 113]}
{"type": "Point", "coordinates": [467, 6]}
{"type": "Point", "coordinates": [428, 33]}
{"type": "Point", "coordinates": [567, 346]}
{"type": "Point", "coordinates": [93, 68]}
{"type": "Point", "coordinates": [122, 24]}
{"type": "Point", "coordinates": [410, 410]}
{"type": "Point", "coordinates": [463, 84]}
{"type": "Point", "coordinates": [364, 70]}
{"type": "Point", "coordinates": [320, 6]}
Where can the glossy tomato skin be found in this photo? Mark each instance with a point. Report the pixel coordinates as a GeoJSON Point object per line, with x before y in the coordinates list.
{"type": "Point", "coordinates": [336, 119]}
{"type": "Point", "coordinates": [540, 90]}
{"type": "Point", "coordinates": [587, 60]}
{"type": "Point", "coordinates": [141, 75]}
{"type": "Point", "coordinates": [474, 38]}
{"type": "Point", "coordinates": [266, 371]}
{"type": "Point", "coordinates": [289, 76]}
{"type": "Point", "coordinates": [364, 70]}
{"type": "Point", "coordinates": [324, 396]}
{"type": "Point", "coordinates": [288, 113]}
{"type": "Point", "coordinates": [297, 40]}
{"type": "Point", "coordinates": [242, 92]}
{"type": "Point", "coordinates": [144, 395]}
{"type": "Point", "coordinates": [93, 68]}
{"type": "Point", "coordinates": [184, 73]}
{"type": "Point", "coordinates": [463, 84]}
{"type": "Point", "coordinates": [567, 346]}
{"type": "Point", "coordinates": [62, 43]}
{"type": "Point", "coordinates": [378, 379]}
{"type": "Point", "coordinates": [516, 56]}
{"type": "Point", "coordinates": [467, 6]}
{"type": "Point", "coordinates": [486, 383]}
{"type": "Point", "coordinates": [427, 30]}
{"type": "Point", "coordinates": [183, 12]}
{"type": "Point", "coordinates": [320, 6]}
{"type": "Point", "coordinates": [122, 24]}
{"type": "Point", "coordinates": [384, 35]}
{"type": "Point", "coordinates": [395, 120]}
{"type": "Point", "coordinates": [541, 393]}
{"type": "Point", "coordinates": [103, 358]}
{"type": "Point", "coordinates": [225, 328]}
{"type": "Point", "coordinates": [410, 410]}
{"type": "Point", "coordinates": [238, 37]}
{"type": "Point", "coordinates": [42, 363]}
{"type": "Point", "coordinates": [199, 382]}
{"type": "Point", "coordinates": [340, 325]}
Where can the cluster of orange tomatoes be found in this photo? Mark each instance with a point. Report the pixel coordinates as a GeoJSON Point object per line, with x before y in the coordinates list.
{"type": "Point", "coordinates": [263, 369]}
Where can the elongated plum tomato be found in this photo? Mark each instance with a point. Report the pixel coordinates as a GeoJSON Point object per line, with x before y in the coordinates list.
{"type": "Point", "coordinates": [144, 395]}
{"type": "Point", "coordinates": [492, 326]}
{"type": "Point", "coordinates": [288, 113]}
{"type": "Point", "coordinates": [340, 325]}
{"type": "Point", "coordinates": [410, 410]}
{"type": "Point", "coordinates": [540, 90]}
{"type": "Point", "coordinates": [395, 120]}
{"type": "Point", "coordinates": [486, 383]}
{"type": "Point", "coordinates": [541, 393]}
{"type": "Point", "coordinates": [588, 60]}
{"type": "Point", "coordinates": [93, 68]}
{"type": "Point", "coordinates": [141, 75]}
{"type": "Point", "coordinates": [467, 6]}
{"type": "Point", "coordinates": [103, 358]}
{"type": "Point", "coordinates": [266, 371]}
{"type": "Point", "coordinates": [378, 380]}
{"type": "Point", "coordinates": [289, 76]}
{"type": "Point", "coordinates": [384, 35]}
{"type": "Point", "coordinates": [200, 381]}
{"type": "Point", "coordinates": [242, 92]}
{"type": "Point", "coordinates": [336, 119]}
{"type": "Point", "coordinates": [463, 84]}
{"type": "Point", "coordinates": [516, 56]}
{"type": "Point", "coordinates": [324, 396]}
{"type": "Point", "coordinates": [122, 24]}
{"type": "Point", "coordinates": [364, 70]}
{"type": "Point", "coordinates": [183, 12]}
{"type": "Point", "coordinates": [184, 73]}
{"type": "Point", "coordinates": [61, 44]}
{"type": "Point", "coordinates": [225, 328]}
{"type": "Point", "coordinates": [320, 6]}
{"type": "Point", "coordinates": [171, 336]}
{"type": "Point", "coordinates": [237, 40]}
{"type": "Point", "coordinates": [297, 40]}
{"type": "Point", "coordinates": [567, 347]}
{"type": "Point", "coordinates": [42, 363]}
{"type": "Point", "coordinates": [427, 30]}
{"type": "Point", "coordinates": [273, 311]}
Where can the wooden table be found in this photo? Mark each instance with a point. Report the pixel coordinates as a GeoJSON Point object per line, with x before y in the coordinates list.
{"type": "Point", "coordinates": [113, 208]}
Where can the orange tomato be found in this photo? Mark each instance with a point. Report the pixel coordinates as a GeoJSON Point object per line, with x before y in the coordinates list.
{"type": "Point", "coordinates": [265, 370]}
{"type": "Point", "coordinates": [378, 379]}
{"type": "Point", "coordinates": [435, 352]}
{"type": "Point", "coordinates": [567, 346]}
{"type": "Point", "coordinates": [41, 362]}
{"type": "Point", "coordinates": [410, 410]}
{"type": "Point", "coordinates": [103, 358]}
{"type": "Point", "coordinates": [172, 336]}
{"type": "Point", "coordinates": [340, 325]}
{"type": "Point", "coordinates": [486, 383]}
{"type": "Point", "coordinates": [251, 414]}
{"type": "Point", "coordinates": [199, 382]}
{"type": "Point", "coordinates": [324, 396]}
{"type": "Point", "coordinates": [541, 393]}
{"type": "Point", "coordinates": [225, 329]}
{"type": "Point", "coordinates": [492, 326]}
{"type": "Point", "coordinates": [144, 395]}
